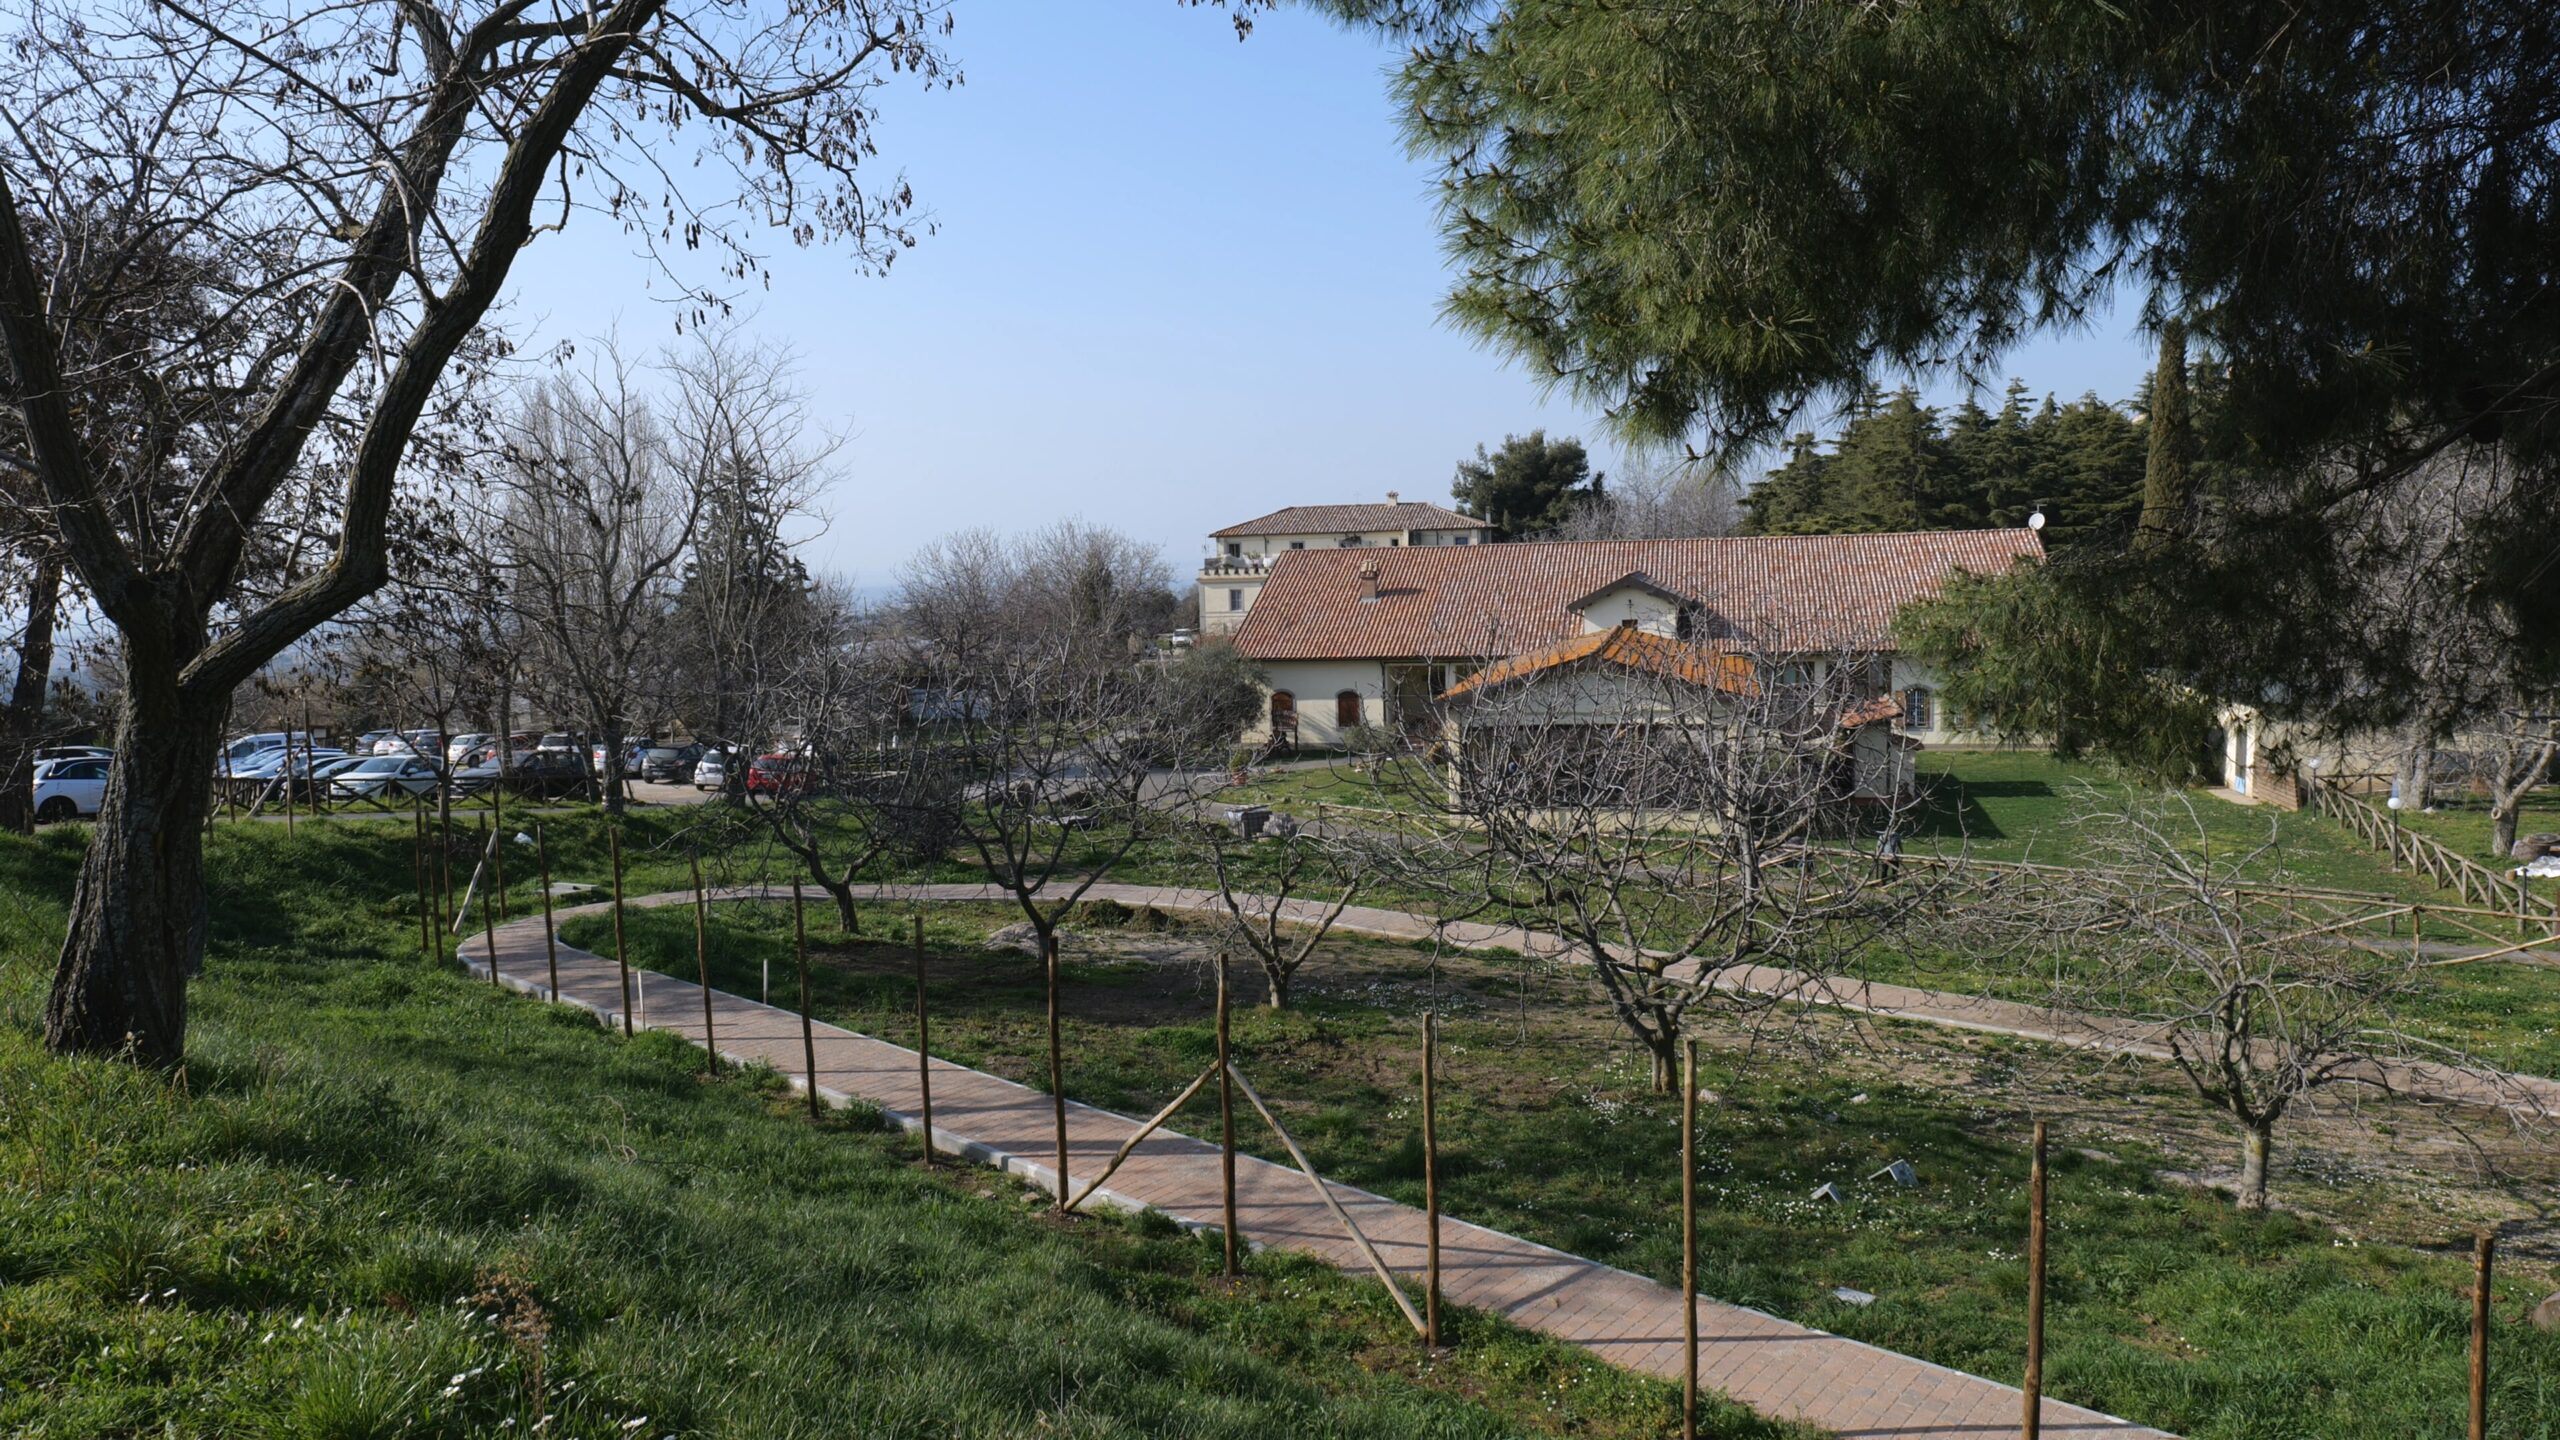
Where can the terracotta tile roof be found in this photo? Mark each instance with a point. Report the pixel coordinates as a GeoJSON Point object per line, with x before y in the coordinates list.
{"type": "Point", "coordinates": [1778, 592]}
{"type": "Point", "coordinates": [1349, 519]}
{"type": "Point", "coordinates": [1622, 644]}
{"type": "Point", "coordinates": [1884, 707]}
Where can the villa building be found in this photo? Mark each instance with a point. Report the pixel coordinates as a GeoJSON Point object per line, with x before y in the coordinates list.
{"type": "Point", "coordinates": [1350, 636]}
{"type": "Point", "coordinates": [1240, 556]}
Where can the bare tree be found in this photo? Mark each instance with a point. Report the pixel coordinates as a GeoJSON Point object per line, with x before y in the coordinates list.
{"type": "Point", "coordinates": [594, 507]}
{"type": "Point", "coordinates": [2526, 748]}
{"type": "Point", "coordinates": [742, 429]}
{"type": "Point", "coordinates": [1673, 811]}
{"type": "Point", "coordinates": [2162, 938]}
{"type": "Point", "coordinates": [1283, 892]}
{"type": "Point", "coordinates": [352, 184]}
{"type": "Point", "coordinates": [1658, 497]}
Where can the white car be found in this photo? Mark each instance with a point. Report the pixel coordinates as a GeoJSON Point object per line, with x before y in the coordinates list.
{"type": "Point", "coordinates": [461, 745]}
{"type": "Point", "coordinates": [67, 789]}
{"type": "Point", "coordinates": [386, 777]}
{"type": "Point", "coordinates": [711, 772]}
{"type": "Point", "coordinates": [51, 753]}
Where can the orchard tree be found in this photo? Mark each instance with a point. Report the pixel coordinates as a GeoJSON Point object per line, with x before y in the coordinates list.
{"type": "Point", "coordinates": [350, 185]}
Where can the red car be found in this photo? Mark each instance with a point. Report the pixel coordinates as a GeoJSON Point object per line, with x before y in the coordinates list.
{"type": "Point", "coordinates": [779, 774]}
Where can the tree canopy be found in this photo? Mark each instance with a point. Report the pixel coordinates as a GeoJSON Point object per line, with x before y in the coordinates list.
{"type": "Point", "coordinates": [1529, 486]}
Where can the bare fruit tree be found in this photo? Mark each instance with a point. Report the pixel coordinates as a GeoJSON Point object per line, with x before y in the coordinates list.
{"type": "Point", "coordinates": [2161, 940]}
{"type": "Point", "coordinates": [1283, 891]}
{"type": "Point", "coordinates": [352, 185]}
{"type": "Point", "coordinates": [1694, 820]}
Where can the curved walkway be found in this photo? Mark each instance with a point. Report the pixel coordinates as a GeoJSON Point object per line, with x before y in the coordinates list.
{"type": "Point", "coordinates": [1774, 1367]}
{"type": "Point", "coordinates": [2524, 1096]}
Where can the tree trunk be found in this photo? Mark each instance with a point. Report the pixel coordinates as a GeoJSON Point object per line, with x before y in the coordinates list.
{"type": "Point", "coordinates": [22, 719]}
{"type": "Point", "coordinates": [2255, 1143]}
{"type": "Point", "coordinates": [1665, 1069]}
{"type": "Point", "coordinates": [138, 914]}
{"type": "Point", "coordinates": [846, 916]}
{"type": "Point", "coordinates": [2502, 828]}
{"type": "Point", "coordinates": [1276, 994]}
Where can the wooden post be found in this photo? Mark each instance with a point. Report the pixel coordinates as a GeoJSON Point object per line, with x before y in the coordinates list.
{"type": "Point", "coordinates": [621, 957]}
{"type": "Point", "coordinates": [498, 866]}
{"type": "Point", "coordinates": [550, 934]}
{"type": "Point", "coordinates": [2033, 1426]}
{"type": "Point", "coordinates": [924, 1048]}
{"type": "Point", "coordinates": [489, 922]}
{"type": "Point", "coordinates": [444, 868]}
{"type": "Point", "coordinates": [1689, 1239]}
{"type": "Point", "coordinates": [1226, 1126]}
{"type": "Point", "coordinates": [2485, 1250]}
{"type": "Point", "coordinates": [1057, 1071]}
{"type": "Point", "coordinates": [284, 777]}
{"type": "Point", "coordinates": [418, 872]}
{"type": "Point", "coordinates": [1430, 1181]}
{"type": "Point", "coordinates": [808, 1035]}
{"type": "Point", "coordinates": [702, 964]}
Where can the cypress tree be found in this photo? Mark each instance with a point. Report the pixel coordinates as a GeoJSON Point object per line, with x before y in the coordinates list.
{"type": "Point", "coordinates": [2168, 477]}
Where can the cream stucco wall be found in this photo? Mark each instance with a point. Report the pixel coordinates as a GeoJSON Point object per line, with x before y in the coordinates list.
{"type": "Point", "coordinates": [1315, 684]}
{"type": "Point", "coordinates": [1652, 612]}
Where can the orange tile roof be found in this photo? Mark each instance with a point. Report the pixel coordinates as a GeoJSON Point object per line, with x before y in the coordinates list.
{"type": "Point", "coordinates": [1622, 644]}
{"type": "Point", "coordinates": [1351, 519]}
{"type": "Point", "coordinates": [1808, 593]}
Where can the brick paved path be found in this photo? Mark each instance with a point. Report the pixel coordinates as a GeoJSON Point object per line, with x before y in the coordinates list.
{"type": "Point", "coordinates": [1774, 1367]}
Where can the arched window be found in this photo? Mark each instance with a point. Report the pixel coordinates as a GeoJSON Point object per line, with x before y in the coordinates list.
{"type": "Point", "coordinates": [1346, 709]}
{"type": "Point", "coordinates": [1284, 718]}
{"type": "Point", "coordinates": [1919, 707]}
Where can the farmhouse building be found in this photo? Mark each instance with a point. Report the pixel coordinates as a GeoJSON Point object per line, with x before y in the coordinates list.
{"type": "Point", "coordinates": [1349, 637]}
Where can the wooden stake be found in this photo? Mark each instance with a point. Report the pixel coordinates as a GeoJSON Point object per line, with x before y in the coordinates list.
{"type": "Point", "coordinates": [1430, 1182]}
{"type": "Point", "coordinates": [702, 964]}
{"type": "Point", "coordinates": [621, 957]}
{"type": "Point", "coordinates": [2033, 1425]}
{"type": "Point", "coordinates": [808, 1035]}
{"type": "Point", "coordinates": [498, 858]}
{"type": "Point", "coordinates": [489, 923]}
{"type": "Point", "coordinates": [1226, 1125]}
{"type": "Point", "coordinates": [1154, 1122]}
{"type": "Point", "coordinates": [1057, 1071]}
{"type": "Point", "coordinates": [924, 1044]}
{"type": "Point", "coordinates": [1324, 1192]}
{"type": "Point", "coordinates": [418, 872]}
{"type": "Point", "coordinates": [1689, 1239]}
{"type": "Point", "coordinates": [2485, 1251]}
{"type": "Point", "coordinates": [550, 935]}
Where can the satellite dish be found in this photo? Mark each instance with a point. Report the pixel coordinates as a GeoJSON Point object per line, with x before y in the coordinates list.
{"type": "Point", "coordinates": [2036, 521]}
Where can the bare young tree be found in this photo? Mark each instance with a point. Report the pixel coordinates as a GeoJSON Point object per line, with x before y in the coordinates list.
{"type": "Point", "coordinates": [1283, 892]}
{"type": "Point", "coordinates": [1679, 815]}
{"type": "Point", "coordinates": [2163, 938]}
{"type": "Point", "coordinates": [350, 185]}
{"type": "Point", "coordinates": [2520, 761]}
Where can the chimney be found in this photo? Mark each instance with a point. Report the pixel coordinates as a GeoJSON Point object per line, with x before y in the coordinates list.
{"type": "Point", "coordinates": [1391, 497]}
{"type": "Point", "coordinates": [1369, 579]}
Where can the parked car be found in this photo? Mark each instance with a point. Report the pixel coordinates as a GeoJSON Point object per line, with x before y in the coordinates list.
{"type": "Point", "coordinates": [780, 773]}
{"type": "Point", "coordinates": [711, 772]}
{"type": "Point", "coordinates": [386, 777]}
{"type": "Point", "coordinates": [66, 789]}
{"type": "Point", "coordinates": [670, 764]}
{"type": "Point", "coordinates": [463, 744]}
{"type": "Point", "coordinates": [244, 746]}
{"type": "Point", "coordinates": [558, 740]}
{"type": "Point", "coordinates": [541, 773]}
{"type": "Point", "coordinates": [51, 753]}
{"type": "Point", "coordinates": [366, 741]}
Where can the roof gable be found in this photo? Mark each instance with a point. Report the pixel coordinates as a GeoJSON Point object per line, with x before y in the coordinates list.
{"type": "Point", "coordinates": [1627, 646]}
{"type": "Point", "coordinates": [1773, 593]}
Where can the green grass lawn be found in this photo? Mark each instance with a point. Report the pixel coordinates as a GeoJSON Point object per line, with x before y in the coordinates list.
{"type": "Point", "coordinates": [2167, 1306]}
{"type": "Point", "coordinates": [2020, 804]}
{"type": "Point", "coordinates": [384, 1201]}
{"type": "Point", "coordinates": [2460, 821]}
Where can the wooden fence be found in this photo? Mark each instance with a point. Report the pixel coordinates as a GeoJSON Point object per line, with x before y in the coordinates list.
{"type": "Point", "coordinates": [2476, 883]}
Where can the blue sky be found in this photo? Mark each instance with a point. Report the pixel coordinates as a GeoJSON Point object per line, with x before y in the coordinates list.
{"type": "Point", "coordinates": [1177, 281]}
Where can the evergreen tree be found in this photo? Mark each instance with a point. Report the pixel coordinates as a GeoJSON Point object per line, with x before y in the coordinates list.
{"type": "Point", "coordinates": [2168, 477]}
{"type": "Point", "coordinates": [1528, 486]}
